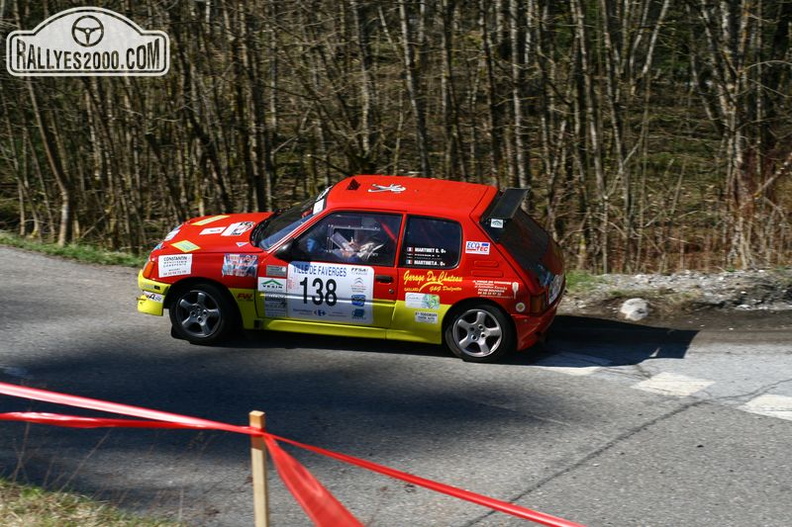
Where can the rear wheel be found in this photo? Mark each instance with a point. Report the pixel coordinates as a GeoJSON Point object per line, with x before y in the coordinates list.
{"type": "Point", "coordinates": [202, 314]}
{"type": "Point", "coordinates": [479, 333]}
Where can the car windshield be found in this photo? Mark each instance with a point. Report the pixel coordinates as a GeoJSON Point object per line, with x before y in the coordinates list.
{"type": "Point", "coordinates": [282, 223]}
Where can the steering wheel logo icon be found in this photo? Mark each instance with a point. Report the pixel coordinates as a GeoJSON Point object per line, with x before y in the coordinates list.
{"type": "Point", "coordinates": [87, 31]}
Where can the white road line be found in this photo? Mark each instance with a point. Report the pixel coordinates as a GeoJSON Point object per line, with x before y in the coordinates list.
{"type": "Point", "coordinates": [673, 384]}
{"type": "Point", "coordinates": [572, 364]}
{"type": "Point", "coordinates": [664, 383]}
{"type": "Point", "coordinates": [770, 405]}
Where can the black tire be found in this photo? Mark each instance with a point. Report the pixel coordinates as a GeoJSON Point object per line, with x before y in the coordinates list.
{"type": "Point", "coordinates": [479, 333]}
{"type": "Point", "coordinates": [202, 314]}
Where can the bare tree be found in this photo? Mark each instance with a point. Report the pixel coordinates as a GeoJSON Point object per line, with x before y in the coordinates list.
{"type": "Point", "coordinates": [653, 134]}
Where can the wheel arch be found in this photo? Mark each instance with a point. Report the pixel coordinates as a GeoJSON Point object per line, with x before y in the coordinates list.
{"type": "Point", "coordinates": [469, 338]}
{"type": "Point", "coordinates": [475, 301]}
{"type": "Point", "coordinates": [191, 281]}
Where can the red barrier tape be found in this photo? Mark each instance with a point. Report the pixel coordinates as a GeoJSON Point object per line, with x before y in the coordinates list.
{"type": "Point", "coordinates": [486, 501]}
{"type": "Point", "coordinates": [73, 421]}
{"type": "Point", "coordinates": [116, 408]}
{"type": "Point", "coordinates": [320, 505]}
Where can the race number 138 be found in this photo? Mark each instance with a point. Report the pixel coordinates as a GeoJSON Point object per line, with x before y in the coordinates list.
{"type": "Point", "coordinates": [320, 291]}
{"type": "Point", "coordinates": [329, 292]}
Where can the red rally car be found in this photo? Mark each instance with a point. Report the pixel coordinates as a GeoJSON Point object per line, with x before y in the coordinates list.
{"type": "Point", "coordinates": [391, 257]}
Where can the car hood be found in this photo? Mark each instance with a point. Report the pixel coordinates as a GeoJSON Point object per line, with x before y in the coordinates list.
{"type": "Point", "coordinates": [218, 233]}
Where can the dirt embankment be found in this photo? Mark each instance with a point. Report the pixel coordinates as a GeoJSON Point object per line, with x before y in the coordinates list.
{"type": "Point", "coordinates": [692, 299]}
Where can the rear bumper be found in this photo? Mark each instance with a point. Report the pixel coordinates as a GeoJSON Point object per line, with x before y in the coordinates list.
{"type": "Point", "coordinates": [152, 301]}
{"type": "Point", "coordinates": [532, 328]}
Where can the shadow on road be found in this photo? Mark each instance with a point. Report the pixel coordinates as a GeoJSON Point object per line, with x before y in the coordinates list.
{"type": "Point", "coordinates": [609, 343]}
{"type": "Point", "coordinates": [573, 341]}
{"type": "Point", "coordinates": [393, 402]}
{"type": "Point", "coordinates": [298, 341]}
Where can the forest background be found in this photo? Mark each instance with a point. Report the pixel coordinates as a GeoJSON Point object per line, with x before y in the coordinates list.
{"type": "Point", "coordinates": [655, 135]}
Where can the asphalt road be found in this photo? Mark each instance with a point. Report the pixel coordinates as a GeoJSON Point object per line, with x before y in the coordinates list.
{"type": "Point", "coordinates": [610, 425]}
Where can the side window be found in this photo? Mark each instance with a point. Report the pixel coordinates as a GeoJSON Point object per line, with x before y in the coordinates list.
{"type": "Point", "coordinates": [351, 237]}
{"type": "Point", "coordinates": [431, 242]}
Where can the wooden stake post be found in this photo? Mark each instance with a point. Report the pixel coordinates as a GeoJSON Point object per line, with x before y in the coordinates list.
{"type": "Point", "coordinates": [258, 454]}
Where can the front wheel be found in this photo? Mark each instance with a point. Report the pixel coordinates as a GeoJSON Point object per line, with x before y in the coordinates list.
{"type": "Point", "coordinates": [480, 333]}
{"type": "Point", "coordinates": [202, 314]}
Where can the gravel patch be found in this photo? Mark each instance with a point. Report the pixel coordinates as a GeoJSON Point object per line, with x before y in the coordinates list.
{"type": "Point", "coordinates": [750, 291]}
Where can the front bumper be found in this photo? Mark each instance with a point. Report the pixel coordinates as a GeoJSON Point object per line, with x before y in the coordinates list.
{"type": "Point", "coordinates": [152, 301]}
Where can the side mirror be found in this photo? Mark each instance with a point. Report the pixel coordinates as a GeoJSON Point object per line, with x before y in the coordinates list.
{"type": "Point", "coordinates": [284, 252]}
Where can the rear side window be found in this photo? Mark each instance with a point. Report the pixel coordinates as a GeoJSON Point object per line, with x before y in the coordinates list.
{"type": "Point", "coordinates": [524, 238]}
{"type": "Point", "coordinates": [527, 242]}
{"type": "Point", "coordinates": [431, 243]}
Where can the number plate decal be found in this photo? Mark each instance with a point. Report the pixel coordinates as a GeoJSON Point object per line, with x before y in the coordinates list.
{"type": "Point", "coordinates": [330, 292]}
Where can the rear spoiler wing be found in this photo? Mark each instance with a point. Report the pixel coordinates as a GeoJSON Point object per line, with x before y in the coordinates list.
{"type": "Point", "coordinates": [502, 210]}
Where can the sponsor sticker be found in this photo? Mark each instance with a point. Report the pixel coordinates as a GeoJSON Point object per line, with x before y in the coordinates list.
{"type": "Point", "coordinates": [240, 265]}
{"type": "Point", "coordinates": [275, 305]}
{"type": "Point", "coordinates": [424, 317]}
{"type": "Point", "coordinates": [172, 234]}
{"type": "Point", "coordinates": [267, 284]}
{"type": "Point", "coordinates": [393, 187]}
{"type": "Point", "coordinates": [431, 281]}
{"type": "Point", "coordinates": [472, 247]}
{"type": "Point", "coordinates": [359, 285]}
{"type": "Point", "coordinates": [276, 270]}
{"type": "Point", "coordinates": [174, 265]}
{"type": "Point", "coordinates": [186, 246]}
{"type": "Point", "coordinates": [238, 228]}
{"type": "Point", "coordinates": [154, 297]}
{"type": "Point", "coordinates": [210, 219]}
{"type": "Point", "coordinates": [496, 288]}
{"type": "Point", "coordinates": [421, 301]}
{"type": "Point", "coordinates": [274, 291]}
{"type": "Point", "coordinates": [212, 230]}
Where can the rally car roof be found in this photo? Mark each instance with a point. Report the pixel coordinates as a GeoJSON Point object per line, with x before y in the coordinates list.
{"type": "Point", "coordinates": [409, 194]}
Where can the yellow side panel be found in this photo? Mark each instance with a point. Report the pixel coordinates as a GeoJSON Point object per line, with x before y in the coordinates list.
{"type": "Point", "coordinates": [246, 300]}
{"type": "Point", "coordinates": [319, 328]}
{"type": "Point", "coordinates": [383, 313]}
{"type": "Point", "coordinates": [418, 324]}
{"type": "Point", "coordinates": [408, 323]}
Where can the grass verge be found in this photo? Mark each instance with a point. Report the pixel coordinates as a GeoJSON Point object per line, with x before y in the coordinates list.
{"type": "Point", "coordinates": [82, 253]}
{"type": "Point", "coordinates": [28, 506]}
{"type": "Point", "coordinates": [581, 281]}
